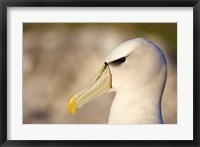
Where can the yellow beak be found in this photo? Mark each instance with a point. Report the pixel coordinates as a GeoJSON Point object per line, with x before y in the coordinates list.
{"type": "Point", "coordinates": [101, 84]}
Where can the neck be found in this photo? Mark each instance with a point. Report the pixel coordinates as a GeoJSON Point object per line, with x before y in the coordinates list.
{"type": "Point", "coordinates": [142, 107]}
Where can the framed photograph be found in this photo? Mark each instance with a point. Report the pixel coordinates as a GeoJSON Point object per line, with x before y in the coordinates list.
{"type": "Point", "coordinates": [99, 73]}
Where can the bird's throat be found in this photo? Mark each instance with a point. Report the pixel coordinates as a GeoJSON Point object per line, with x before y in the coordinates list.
{"type": "Point", "coordinates": [135, 109]}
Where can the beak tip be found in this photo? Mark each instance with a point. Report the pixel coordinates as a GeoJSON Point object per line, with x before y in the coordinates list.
{"type": "Point", "coordinates": [72, 106]}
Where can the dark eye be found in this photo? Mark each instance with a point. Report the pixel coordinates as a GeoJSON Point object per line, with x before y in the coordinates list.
{"type": "Point", "coordinates": [119, 61]}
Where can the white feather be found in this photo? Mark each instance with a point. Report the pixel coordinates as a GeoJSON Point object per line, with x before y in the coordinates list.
{"type": "Point", "coordinates": [138, 82]}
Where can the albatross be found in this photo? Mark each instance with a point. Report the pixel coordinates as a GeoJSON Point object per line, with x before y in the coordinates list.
{"type": "Point", "coordinates": [137, 71]}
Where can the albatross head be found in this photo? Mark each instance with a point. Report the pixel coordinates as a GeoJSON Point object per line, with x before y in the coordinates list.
{"type": "Point", "coordinates": [136, 70]}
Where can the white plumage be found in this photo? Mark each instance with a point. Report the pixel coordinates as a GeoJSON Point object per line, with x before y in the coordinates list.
{"type": "Point", "coordinates": [138, 82]}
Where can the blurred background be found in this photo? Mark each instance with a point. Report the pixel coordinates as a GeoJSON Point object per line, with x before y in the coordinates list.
{"type": "Point", "coordinates": [59, 59]}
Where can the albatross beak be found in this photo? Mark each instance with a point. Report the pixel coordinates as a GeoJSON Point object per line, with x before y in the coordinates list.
{"type": "Point", "coordinates": [101, 84]}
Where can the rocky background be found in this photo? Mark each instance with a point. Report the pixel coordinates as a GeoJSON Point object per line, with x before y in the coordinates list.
{"type": "Point", "coordinates": [60, 59]}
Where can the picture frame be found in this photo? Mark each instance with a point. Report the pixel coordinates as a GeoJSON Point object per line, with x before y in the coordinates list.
{"type": "Point", "coordinates": [4, 5]}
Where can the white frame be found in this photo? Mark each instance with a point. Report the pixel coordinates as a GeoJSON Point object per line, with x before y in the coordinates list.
{"type": "Point", "coordinates": [183, 130]}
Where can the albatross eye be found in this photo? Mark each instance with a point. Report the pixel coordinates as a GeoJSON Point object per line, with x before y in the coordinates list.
{"type": "Point", "coordinates": [119, 61]}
